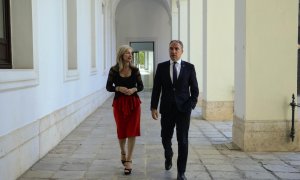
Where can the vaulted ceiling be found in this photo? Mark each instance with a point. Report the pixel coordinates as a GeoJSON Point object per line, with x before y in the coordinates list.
{"type": "Point", "coordinates": [165, 3]}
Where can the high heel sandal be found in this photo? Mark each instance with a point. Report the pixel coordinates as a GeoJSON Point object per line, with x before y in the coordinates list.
{"type": "Point", "coordinates": [123, 161]}
{"type": "Point", "coordinates": [127, 171]}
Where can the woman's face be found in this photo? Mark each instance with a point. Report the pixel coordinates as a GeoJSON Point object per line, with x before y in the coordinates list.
{"type": "Point", "coordinates": [127, 56]}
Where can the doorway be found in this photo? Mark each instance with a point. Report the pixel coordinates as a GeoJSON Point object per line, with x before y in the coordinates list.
{"type": "Point", "coordinates": [143, 58]}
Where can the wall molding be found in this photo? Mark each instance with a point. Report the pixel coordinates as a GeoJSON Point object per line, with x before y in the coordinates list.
{"type": "Point", "coordinates": [39, 137]}
{"type": "Point", "coordinates": [265, 135]}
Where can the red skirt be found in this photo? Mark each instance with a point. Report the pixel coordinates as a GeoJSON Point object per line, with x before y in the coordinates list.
{"type": "Point", "coordinates": [127, 113]}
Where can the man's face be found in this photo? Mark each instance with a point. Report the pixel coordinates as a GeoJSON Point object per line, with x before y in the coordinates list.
{"type": "Point", "coordinates": [175, 51]}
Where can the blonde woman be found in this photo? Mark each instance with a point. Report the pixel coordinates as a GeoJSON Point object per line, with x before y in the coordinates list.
{"type": "Point", "coordinates": [125, 81]}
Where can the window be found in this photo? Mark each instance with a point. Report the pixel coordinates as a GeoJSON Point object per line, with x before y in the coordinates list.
{"type": "Point", "coordinates": [70, 40]}
{"type": "Point", "coordinates": [104, 64]}
{"type": "Point", "coordinates": [94, 36]}
{"type": "Point", "coordinates": [18, 61]}
{"type": "Point", "coordinates": [5, 41]}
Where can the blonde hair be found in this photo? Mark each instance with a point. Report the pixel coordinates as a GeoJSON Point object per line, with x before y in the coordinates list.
{"type": "Point", "coordinates": [119, 59]}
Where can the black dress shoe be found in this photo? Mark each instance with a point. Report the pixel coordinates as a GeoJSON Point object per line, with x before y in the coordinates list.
{"type": "Point", "coordinates": [168, 164]}
{"type": "Point", "coordinates": [181, 176]}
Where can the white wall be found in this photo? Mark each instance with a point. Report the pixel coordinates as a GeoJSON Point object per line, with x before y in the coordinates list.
{"type": "Point", "coordinates": [39, 106]}
{"type": "Point", "coordinates": [144, 20]}
{"type": "Point", "coordinates": [19, 107]}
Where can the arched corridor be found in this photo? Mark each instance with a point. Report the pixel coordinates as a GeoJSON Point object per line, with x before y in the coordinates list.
{"type": "Point", "coordinates": [53, 77]}
{"type": "Point", "coordinates": [91, 152]}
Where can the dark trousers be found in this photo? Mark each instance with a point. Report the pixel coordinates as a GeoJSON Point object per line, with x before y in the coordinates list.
{"type": "Point", "coordinates": [182, 122]}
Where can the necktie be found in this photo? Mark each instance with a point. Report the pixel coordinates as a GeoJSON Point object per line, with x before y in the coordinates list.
{"type": "Point", "coordinates": [174, 73]}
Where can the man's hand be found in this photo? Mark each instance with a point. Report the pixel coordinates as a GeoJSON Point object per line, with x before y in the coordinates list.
{"type": "Point", "coordinates": [154, 114]}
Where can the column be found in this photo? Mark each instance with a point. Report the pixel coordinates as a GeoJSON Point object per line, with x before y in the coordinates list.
{"type": "Point", "coordinates": [184, 28]}
{"type": "Point", "coordinates": [196, 42]}
{"type": "Point", "coordinates": [265, 74]}
{"type": "Point", "coordinates": [218, 61]}
{"type": "Point", "coordinates": [175, 20]}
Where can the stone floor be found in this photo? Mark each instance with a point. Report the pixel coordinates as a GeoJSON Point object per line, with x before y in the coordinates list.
{"type": "Point", "coordinates": [91, 151]}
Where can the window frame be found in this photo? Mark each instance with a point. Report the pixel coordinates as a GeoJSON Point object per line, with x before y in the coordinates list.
{"type": "Point", "coordinates": [7, 62]}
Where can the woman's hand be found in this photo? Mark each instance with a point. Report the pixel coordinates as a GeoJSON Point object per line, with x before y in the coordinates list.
{"type": "Point", "coordinates": [131, 91]}
{"type": "Point", "coordinates": [122, 89]}
{"type": "Point", "coordinates": [126, 91]}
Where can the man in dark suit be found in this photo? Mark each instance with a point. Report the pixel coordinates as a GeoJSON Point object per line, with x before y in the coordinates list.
{"type": "Point", "coordinates": [176, 85]}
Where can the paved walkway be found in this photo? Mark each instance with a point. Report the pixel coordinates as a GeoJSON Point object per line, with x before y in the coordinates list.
{"type": "Point", "coordinates": [91, 152]}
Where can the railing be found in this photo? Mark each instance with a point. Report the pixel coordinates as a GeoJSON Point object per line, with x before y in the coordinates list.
{"type": "Point", "coordinates": [293, 104]}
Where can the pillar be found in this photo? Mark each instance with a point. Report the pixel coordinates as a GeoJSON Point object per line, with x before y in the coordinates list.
{"type": "Point", "coordinates": [184, 28]}
{"type": "Point", "coordinates": [196, 42]}
{"type": "Point", "coordinates": [175, 20]}
{"type": "Point", "coordinates": [218, 61]}
{"type": "Point", "coordinates": [265, 74]}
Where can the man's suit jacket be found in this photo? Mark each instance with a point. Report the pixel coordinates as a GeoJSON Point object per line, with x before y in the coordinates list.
{"type": "Point", "coordinates": [185, 90]}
